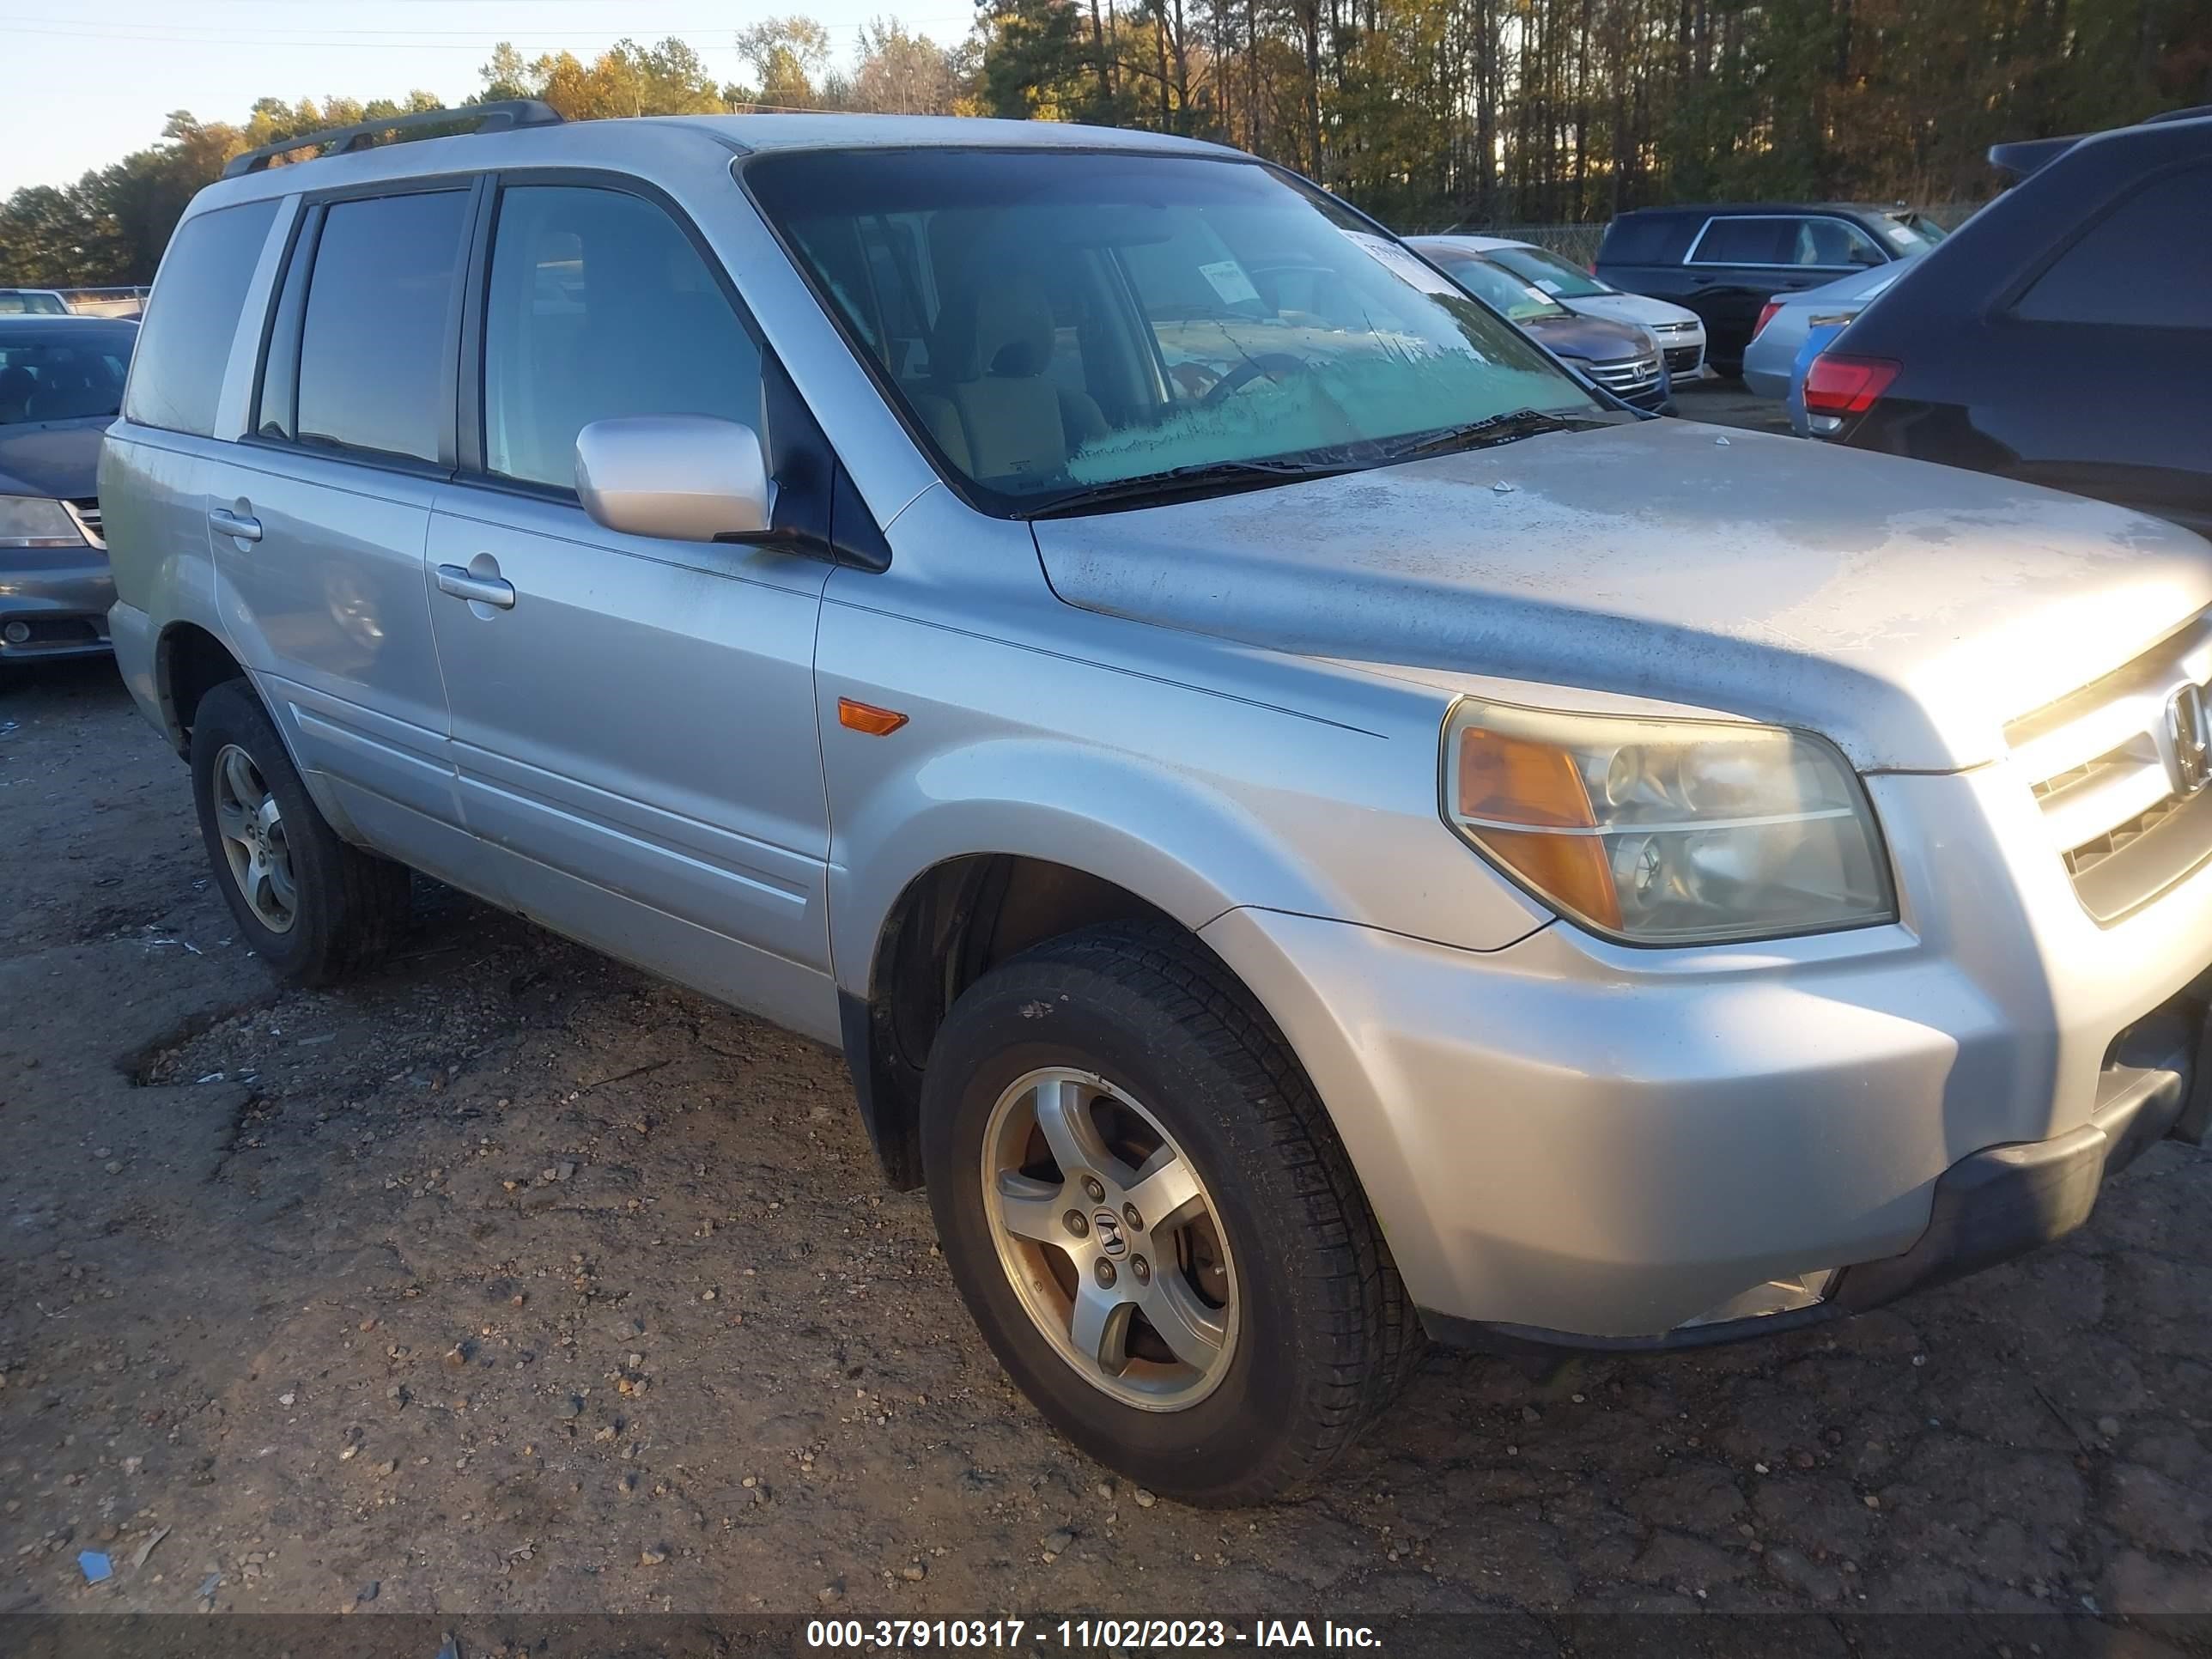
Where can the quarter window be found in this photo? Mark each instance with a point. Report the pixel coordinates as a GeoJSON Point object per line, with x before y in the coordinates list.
{"type": "Point", "coordinates": [373, 342]}
{"type": "Point", "coordinates": [600, 306]}
{"type": "Point", "coordinates": [2143, 264]}
{"type": "Point", "coordinates": [183, 347]}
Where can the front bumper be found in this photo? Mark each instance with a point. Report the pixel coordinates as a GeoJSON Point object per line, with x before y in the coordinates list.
{"type": "Point", "coordinates": [57, 599]}
{"type": "Point", "coordinates": [1572, 1141]}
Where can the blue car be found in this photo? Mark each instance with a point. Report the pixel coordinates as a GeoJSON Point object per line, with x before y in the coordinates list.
{"type": "Point", "coordinates": [1816, 341]}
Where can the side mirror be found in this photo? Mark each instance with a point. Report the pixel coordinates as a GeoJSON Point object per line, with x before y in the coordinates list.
{"type": "Point", "coordinates": [679, 478]}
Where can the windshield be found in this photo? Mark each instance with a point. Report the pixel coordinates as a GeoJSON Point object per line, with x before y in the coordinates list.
{"type": "Point", "coordinates": [43, 378]}
{"type": "Point", "coordinates": [1054, 322]}
{"type": "Point", "coordinates": [1494, 285]}
{"type": "Point", "coordinates": [1560, 278]}
{"type": "Point", "coordinates": [1911, 233]}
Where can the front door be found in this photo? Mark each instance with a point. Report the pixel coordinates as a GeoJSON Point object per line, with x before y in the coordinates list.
{"type": "Point", "coordinates": [633, 720]}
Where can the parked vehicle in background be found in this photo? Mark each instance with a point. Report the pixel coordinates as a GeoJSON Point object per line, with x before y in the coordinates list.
{"type": "Point", "coordinates": [105, 301]}
{"type": "Point", "coordinates": [2063, 336]}
{"type": "Point", "coordinates": [1818, 336]}
{"type": "Point", "coordinates": [61, 383]}
{"type": "Point", "coordinates": [1679, 331]}
{"type": "Point", "coordinates": [32, 302]}
{"type": "Point", "coordinates": [1624, 358]}
{"type": "Point", "coordinates": [1785, 319]}
{"type": "Point", "coordinates": [1313, 826]}
{"type": "Point", "coordinates": [1726, 262]}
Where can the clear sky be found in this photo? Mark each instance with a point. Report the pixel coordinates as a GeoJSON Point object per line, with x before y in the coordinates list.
{"type": "Point", "coordinates": [81, 86]}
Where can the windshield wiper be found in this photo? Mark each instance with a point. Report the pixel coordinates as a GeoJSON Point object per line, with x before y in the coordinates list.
{"type": "Point", "coordinates": [1515, 423]}
{"type": "Point", "coordinates": [1178, 482]}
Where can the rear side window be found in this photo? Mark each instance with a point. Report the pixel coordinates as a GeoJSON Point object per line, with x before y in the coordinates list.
{"type": "Point", "coordinates": [2143, 264]}
{"type": "Point", "coordinates": [1748, 241]}
{"type": "Point", "coordinates": [374, 341]}
{"type": "Point", "coordinates": [176, 376]}
{"type": "Point", "coordinates": [600, 306]}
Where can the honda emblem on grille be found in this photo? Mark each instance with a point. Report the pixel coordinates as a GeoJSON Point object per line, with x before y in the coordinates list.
{"type": "Point", "coordinates": [2189, 760]}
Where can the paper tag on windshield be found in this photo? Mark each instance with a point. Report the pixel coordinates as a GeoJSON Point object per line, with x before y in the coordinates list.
{"type": "Point", "coordinates": [1230, 281]}
{"type": "Point", "coordinates": [1548, 285]}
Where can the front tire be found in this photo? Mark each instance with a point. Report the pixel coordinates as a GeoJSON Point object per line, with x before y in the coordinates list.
{"type": "Point", "coordinates": [314, 909]}
{"type": "Point", "coordinates": [1151, 1220]}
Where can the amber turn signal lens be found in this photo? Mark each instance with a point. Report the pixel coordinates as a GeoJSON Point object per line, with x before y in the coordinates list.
{"type": "Point", "coordinates": [1513, 780]}
{"type": "Point", "coordinates": [1504, 779]}
{"type": "Point", "coordinates": [867, 717]}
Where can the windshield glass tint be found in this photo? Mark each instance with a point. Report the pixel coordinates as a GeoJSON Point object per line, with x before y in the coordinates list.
{"type": "Point", "coordinates": [1558, 278]}
{"type": "Point", "coordinates": [49, 380]}
{"type": "Point", "coordinates": [1054, 321]}
{"type": "Point", "coordinates": [1496, 286]}
{"type": "Point", "coordinates": [1912, 233]}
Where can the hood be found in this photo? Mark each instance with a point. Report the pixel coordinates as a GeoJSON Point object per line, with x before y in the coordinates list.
{"type": "Point", "coordinates": [1907, 610]}
{"type": "Point", "coordinates": [1630, 308]}
{"type": "Point", "coordinates": [57, 458]}
{"type": "Point", "coordinates": [1591, 339]}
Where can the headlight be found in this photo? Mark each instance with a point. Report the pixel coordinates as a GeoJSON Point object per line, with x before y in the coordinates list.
{"type": "Point", "coordinates": [27, 521]}
{"type": "Point", "coordinates": [1667, 832]}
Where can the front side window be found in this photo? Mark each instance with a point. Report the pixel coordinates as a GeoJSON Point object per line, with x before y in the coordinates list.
{"type": "Point", "coordinates": [1056, 322]}
{"type": "Point", "coordinates": [176, 378]}
{"type": "Point", "coordinates": [373, 342]}
{"type": "Point", "coordinates": [1834, 242]}
{"type": "Point", "coordinates": [600, 306]}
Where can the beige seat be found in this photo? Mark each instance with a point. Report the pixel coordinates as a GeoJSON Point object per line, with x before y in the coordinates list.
{"type": "Point", "coordinates": [990, 406]}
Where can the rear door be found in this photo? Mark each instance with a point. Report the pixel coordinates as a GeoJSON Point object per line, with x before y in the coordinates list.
{"type": "Point", "coordinates": [319, 517]}
{"type": "Point", "coordinates": [634, 719]}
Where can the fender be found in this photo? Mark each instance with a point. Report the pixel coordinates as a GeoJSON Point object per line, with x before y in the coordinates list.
{"type": "Point", "coordinates": [1201, 852]}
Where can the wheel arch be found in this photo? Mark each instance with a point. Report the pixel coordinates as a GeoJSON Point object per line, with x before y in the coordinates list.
{"type": "Point", "coordinates": [951, 924]}
{"type": "Point", "coordinates": [189, 662]}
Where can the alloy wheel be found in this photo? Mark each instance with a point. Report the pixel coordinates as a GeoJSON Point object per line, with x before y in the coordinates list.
{"type": "Point", "coordinates": [1110, 1240]}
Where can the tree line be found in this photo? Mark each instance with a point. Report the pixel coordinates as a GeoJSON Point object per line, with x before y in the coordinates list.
{"type": "Point", "coordinates": [1427, 113]}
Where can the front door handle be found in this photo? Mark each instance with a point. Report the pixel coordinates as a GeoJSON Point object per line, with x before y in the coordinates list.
{"type": "Point", "coordinates": [225, 522]}
{"type": "Point", "coordinates": [484, 590]}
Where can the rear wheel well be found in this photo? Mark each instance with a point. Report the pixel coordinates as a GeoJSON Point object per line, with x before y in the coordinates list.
{"type": "Point", "coordinates": [952, 925]}
{"type": "Point", "coordinates": [190, 663]}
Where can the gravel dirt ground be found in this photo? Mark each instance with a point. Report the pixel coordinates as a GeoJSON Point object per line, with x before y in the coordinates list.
{"type": "Point", "coordinates": [513, 1280]}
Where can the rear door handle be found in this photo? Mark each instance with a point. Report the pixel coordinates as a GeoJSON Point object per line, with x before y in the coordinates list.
{"type": "Point", "coordinates": [224, 522]}
{"type": "Point", "coordinates": [484, 590]}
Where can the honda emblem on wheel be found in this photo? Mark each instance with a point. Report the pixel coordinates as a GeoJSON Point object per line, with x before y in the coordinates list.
{"type": "Point", "coordinates": [1108, 1226]}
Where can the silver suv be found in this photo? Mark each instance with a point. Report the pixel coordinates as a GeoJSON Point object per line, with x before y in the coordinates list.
{"type": "Point", "coordinates": [1315, 829]}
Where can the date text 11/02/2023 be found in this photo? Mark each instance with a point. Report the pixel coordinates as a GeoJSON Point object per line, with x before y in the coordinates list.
{"type": "Point", "coordinates": [901, 1635]}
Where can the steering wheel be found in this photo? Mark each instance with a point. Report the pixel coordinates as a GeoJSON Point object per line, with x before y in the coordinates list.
{"type": "Point", "coordinates": [1268, 363]}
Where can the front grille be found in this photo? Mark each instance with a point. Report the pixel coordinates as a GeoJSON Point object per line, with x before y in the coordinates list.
{"type": "Point", "coordinates": [1684, 360]}
{"type": "Point", "coordinates": [2104, 777]}
{"type": "Point", "coordinates": [86, 511]}
{"type": "Point", "coordinates": [1673, 328]}
{"type": "Point", "coordinates": [1629, 377]}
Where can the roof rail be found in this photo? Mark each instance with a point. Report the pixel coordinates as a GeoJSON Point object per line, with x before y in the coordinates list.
{"type": "Point", "coordinates": [494, 116]}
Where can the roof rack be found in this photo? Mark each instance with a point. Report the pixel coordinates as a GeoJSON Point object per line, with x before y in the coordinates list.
{"type": "Point", "coordinates": [494, 116]}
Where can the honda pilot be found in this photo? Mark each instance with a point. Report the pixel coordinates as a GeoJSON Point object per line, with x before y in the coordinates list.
{"type": "Point", "coordinates": [1315, 830]}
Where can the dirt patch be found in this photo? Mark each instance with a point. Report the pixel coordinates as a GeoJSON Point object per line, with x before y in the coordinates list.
{"type": "Point", "coordinates": [512, 1280]}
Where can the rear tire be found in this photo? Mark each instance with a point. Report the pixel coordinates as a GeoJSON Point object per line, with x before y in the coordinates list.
{"type": "Point", "coordinates": [314, 909]}
{"type": "Point", "coordinates": [1138, 1032]}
